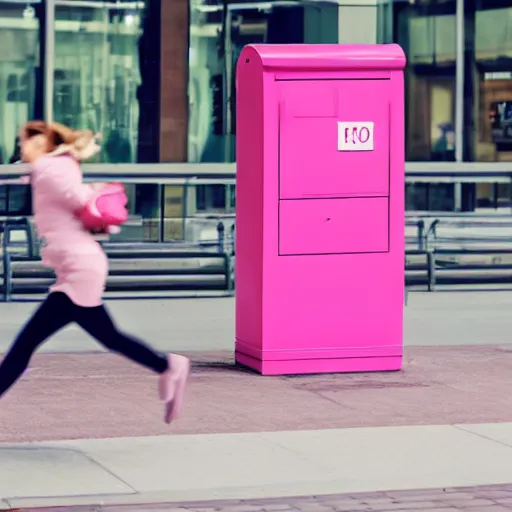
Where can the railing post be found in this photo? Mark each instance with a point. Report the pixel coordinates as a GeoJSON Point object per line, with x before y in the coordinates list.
{"type": "Point", "coordinates": [230, 282]}
{"type": "Point", "coordinates": [30, 238]}
{"type": "Point", "coordinates": [5, 264]}
{"type": "Point", "coordinates": [5, 234]}
{"type": "Point", "coordinates": [421, 234]}
{"type": "Point", "coordinates": [220, 237]}
{"type": "Point", "coordinates": [431, 231]}
{"type": "Point", "coordinates": [7, 277]}
{"type": "Point", "coordinates": [233, 241]}
{"type": "Point", "coordinates": [185, 190]}
{"type": "Point", "coordinates": [161, 213]}
{"type": "Point", "coordinates": [431, 272]}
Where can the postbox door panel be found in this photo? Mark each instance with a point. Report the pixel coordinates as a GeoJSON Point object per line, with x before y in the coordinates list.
{"type": "Point", "coordinates": [333, 226]}
{"type": "Point", "coordinates": [334, 138]}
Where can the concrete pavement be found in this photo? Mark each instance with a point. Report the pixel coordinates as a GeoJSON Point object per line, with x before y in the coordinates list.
{"type": "Point", "coordinates": [249, 437]}
{"type": "Point", "coordinates": [254, 465]}
{"type": "Point", "coordinates": [442, 318]}
{"type": "Point", "coordinates": [104, 396]}
{"type": "Point", "coordinates": [85, 427]}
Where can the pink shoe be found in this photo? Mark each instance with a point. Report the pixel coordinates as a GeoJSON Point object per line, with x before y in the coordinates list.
{"type": "Point", "coordinates": [172, 385]}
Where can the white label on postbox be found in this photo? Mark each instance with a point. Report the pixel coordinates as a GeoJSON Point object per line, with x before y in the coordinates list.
{"type": "Point", "coordinates": [355, 136]}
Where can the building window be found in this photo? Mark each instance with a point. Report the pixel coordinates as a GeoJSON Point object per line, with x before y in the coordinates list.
{"type": "Point", "coordinates": [426, 32]}
{"type": "Point", "coordinates": [15, 200]}
{"type": "Point", "coordinates": [494, 196]}
{"type": "Point", "coordinates": [104, 69]}
{"type": "Point", "coordinates": [218, 32]}
{"type": "Point", "coordinates": [96, 73]}
{"type": "Point", "coordinates": [19, 72]}
{"type": "Point", "coordinates": [429, 197]}
{"type": "Point", "coordinates": [488, 80]}
{"type": "Point", "coordinates": [214, 198]}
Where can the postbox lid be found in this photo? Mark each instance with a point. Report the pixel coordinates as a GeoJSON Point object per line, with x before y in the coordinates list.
{"type": "Point", "coordinates": [328, 56]}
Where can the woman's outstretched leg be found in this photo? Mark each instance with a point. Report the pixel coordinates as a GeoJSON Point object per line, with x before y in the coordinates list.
{"type": "Point", "coordinates": [51, 316]}
{"type": "Point", "coordinates": [173, 369]}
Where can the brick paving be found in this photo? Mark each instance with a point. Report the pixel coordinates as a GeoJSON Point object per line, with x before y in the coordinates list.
{"type": "Point", "coordinates": [472, 499]}
{"type": "Point", "coordinates": [82, 396]}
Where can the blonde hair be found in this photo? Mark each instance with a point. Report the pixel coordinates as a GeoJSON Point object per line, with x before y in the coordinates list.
{"type": "Point", "coordinates": [61, 139]}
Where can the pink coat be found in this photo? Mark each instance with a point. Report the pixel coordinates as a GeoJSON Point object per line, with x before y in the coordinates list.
{"type": "Point", "coordinates": [79, 262]}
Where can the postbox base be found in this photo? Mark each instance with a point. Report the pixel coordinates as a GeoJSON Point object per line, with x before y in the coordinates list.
{"type": "Point", "coordinates": [310, 366]}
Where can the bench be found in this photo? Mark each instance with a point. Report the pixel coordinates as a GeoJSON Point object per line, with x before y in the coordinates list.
{"type": "Point", "coordinates": [475, 266]}
{"type": "Point", "coordinates": [17, 234]}
{"type": "Point", "coordinates": [458, 266]}
{"type": "Point", "coordinates": [135, 270]}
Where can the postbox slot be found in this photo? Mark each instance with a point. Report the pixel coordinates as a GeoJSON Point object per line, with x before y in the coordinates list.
{"type": "Point", "coordinates": [333, 226]}
{"type": "Point", "coordinates": [334, 138]}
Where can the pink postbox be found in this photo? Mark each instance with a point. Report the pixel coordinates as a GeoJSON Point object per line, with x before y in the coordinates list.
{"type": "Point", "coordinates": [320, 208]}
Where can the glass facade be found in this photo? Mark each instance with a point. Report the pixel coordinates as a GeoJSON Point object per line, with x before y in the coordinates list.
{"type": "Point", "coordinates": [489, 62]}
{"type": "Point", "coordinates": [427, 33]}
{"type": "Point", "coordinates": [96, 73]}
{"type": "Point", "coordinates": [480, 46]}
{"type": "Point", "coordinates": [20, 76]}
{"type": "Point", "coordinates": [82, 70]}
{"type": "Point", "coordinates": [458, 80]}
{"type": "Point", "coordinates": [99, 66]}
{"type": "Point", "coordinates": [83, 63]}
{"type": "Point", "coordinates": [116, 68]}
{"type": "Point", "coordinates": [87, 63]}
{"type": "Point", "coordinates": [20, 89]}
{"type": "Point", "coordinates": [218, 32]}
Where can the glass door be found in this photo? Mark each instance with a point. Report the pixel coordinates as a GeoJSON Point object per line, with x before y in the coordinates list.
{"type": "Point", "coordinates": [280, 21]}
{"type": "Point", "coordinates": [218, 32]}
{"type": "Point", "coordinates": [19, 70]}
{"type": "Point", "coordinates": [94, 72]}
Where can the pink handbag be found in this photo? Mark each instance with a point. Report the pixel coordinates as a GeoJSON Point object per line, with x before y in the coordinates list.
{"type": "Point", "coordinates": [106, 208]}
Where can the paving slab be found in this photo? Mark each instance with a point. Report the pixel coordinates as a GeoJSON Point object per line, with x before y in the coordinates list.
{"type": "Point", "coordinates": [102, 395]}
{"type": "Point", "coordinates": [499, 432]}
{"type": "Point", "coordinates": [355, 460]}
{"type": "Point", "coordinates": [53, 471]}
{"type": "Point", "coordinates": [258, 466]}
{"type": "Point", "coordinates": [390, 457]}
{"type": "Point", "coordinates": [201, 462]}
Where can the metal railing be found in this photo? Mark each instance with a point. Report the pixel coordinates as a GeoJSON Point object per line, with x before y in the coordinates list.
{"type": "Point", "coordinates": [460, 172]}
{"type": "Point", "coordinates": [190, 175]}
{"type": "Point", "coordinates": [159, 175]}
{"type": "Point", "coordinates": [428, 240]}
{"type": "Point", "coordinates": [141, 273]}
{"type": "Point", "coordinates": [460, 249]}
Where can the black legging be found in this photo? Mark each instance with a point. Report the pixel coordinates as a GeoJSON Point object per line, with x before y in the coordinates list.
{"type": "Point", "coordinates": [56, 312]}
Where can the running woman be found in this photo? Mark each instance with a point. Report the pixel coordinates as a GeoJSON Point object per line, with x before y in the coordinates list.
{"type": "Point", "coordinates": [79, 262]}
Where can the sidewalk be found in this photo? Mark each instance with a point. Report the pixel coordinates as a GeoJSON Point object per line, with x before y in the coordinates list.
{"type": "Point", "coordinates": [254, 466]}
{"type": "Point", "coordinates": [85, 428]}
{"type": "Point", "coordinates": [246, 436]}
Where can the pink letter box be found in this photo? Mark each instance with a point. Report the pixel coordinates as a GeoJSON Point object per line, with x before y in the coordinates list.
{"type": "Point", "coordinates": [320, 208]}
